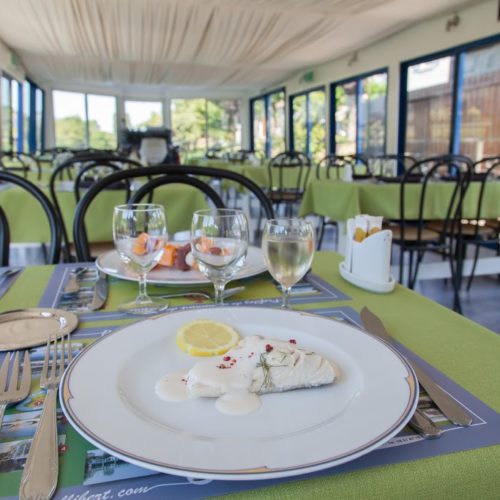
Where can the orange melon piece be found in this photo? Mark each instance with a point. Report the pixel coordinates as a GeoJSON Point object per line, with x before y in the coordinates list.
{"type": "Point", "coordinates": [139, 247]}
{"type": "Point", "coordinates": [169, 254]}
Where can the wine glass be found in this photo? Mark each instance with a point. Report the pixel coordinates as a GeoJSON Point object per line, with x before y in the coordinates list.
{"type": "Point", "coordinates": [140, 235]}
{"type": "Point", "coordinates": [288, 246]}
{"type": "Point", "coordinates": [219, 242]}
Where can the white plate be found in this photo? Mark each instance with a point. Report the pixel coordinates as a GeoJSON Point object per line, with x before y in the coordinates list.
{"type": "Point", "coordinates": [108, 395]}
{"type": "Point", "coordinates": [26, 328]}
{"type": "Point", "coordinates": [110, 263]}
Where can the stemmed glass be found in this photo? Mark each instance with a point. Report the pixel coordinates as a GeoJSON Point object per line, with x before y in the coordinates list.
{"type": "Point", "coordinates": [219, 242]}
{"type": "Point", "coordinates": [140, 235]}
{"type": "Point", "coordinates": [288, 247]}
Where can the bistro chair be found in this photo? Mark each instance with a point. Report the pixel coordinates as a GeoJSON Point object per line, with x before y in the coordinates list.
{"type": "Point", "coordinates": [480, 232]}
{"type": "Point", "coordinates": [55, 225]}
{"type": "Point", "coordinates": [79, 228]}
{"type": "Point", "coordinates": [360, 166]}
{"type": "Point", "coordinates": [82, 165]}
{"type": "Point", "coordinates": [415, 236]}
{"type": "Point", "coordinates": [21, 163]}
{"type": "Point", "coordinates": [288, 176]}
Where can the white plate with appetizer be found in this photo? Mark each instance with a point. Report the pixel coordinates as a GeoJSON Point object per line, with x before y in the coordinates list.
{"type": "Point", "coordinates": [233, 416]}
{"type": "Point", "coordinates": [175, 270]}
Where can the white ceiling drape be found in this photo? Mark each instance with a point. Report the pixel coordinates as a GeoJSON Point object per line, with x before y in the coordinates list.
{"type": "Point", "coordinates": [204, 43]}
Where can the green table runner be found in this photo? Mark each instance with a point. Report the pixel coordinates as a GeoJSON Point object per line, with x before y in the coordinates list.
{"type": "Point", "coordinates": [463, 350]}
{"type": "Point", "coordinates": [343, 200]}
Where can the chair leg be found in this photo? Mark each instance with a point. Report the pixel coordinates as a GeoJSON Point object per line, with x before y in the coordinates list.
{"type": "Point", "coordinates": [473, 270]}
{"type": "Point", "coordinates": [410, 271]}
{"type": "Point", "coordinates": [457, 306]}
{"type": "Point", "coordinates": [401, 262]}
{"type": "Point", "coordinates": [420, 256]}
{"type": "Point", "coordinates": [321, 232]}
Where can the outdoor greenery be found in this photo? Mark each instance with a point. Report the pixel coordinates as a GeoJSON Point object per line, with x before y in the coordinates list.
{"type": "Point", "coordinates": [71, 133]}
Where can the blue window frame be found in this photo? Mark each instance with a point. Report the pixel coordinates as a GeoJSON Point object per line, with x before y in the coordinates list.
{"type": "Point", "coordinates": [267, 123]}
{"type": "Point", "coordinates": [358, 114]}
{"type": "Point", "coordinates": [307, 115]}
{"type": "Point", "coordinates": [449, 103]}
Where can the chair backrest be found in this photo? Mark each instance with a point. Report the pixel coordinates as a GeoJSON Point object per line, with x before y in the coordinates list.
{"type": "Point", "coordinates": [55, 223]}
{"type": "Point", "coordinates": [436, 169]}
{"type": "Point", "coordinates": [80, 164]}
{"type": "Point", "coordinates": [4, 239]}
{"type": "Point", "coordinates": [289, 161]}
{"type": "Point", "coordinates": [79, 229]}
{"type": "Point", "coordinates": [328, 163]}
{"type": "Point", "coordinates": [390, 165]}
{"type": "Point", "coordinates": [484, 164]}
{"type": "Point", "coordinates": [360, 166]}
{"type": "Point", "coordinates": [14, 163]}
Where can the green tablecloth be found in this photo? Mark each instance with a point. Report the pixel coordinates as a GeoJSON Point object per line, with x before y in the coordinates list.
{"type": "Point", "coordinates": [28, 222]}
{"type": "Point", "coordinates": [463, 350]}
{"type": "Point", "coordinates": [343, 200]}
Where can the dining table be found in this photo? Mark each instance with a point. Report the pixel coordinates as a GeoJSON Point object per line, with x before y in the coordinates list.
{"type": "Point", "coordinates": [461, 356]}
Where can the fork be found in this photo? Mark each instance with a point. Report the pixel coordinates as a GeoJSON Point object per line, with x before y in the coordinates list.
{"type": "Point", "coordinates": [13, 394]}
{"type": "Point", "coordinates": [42, 465]}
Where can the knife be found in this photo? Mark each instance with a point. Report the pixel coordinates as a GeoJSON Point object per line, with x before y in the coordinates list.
{"type": "Point", "coordinates": [100, 292]}
{"type": "Point", "coordinates": [449, 407]}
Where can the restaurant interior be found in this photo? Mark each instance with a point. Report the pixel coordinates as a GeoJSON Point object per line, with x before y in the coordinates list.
{"type": "Point", "coordinates": [249, 249]}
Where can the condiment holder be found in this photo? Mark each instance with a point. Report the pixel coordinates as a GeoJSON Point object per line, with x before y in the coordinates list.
{"type": "Point", "coordinates": [367, 262]}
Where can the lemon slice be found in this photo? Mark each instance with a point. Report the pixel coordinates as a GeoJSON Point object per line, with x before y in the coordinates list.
{"type": "Point", "coordinates": [205, 337]}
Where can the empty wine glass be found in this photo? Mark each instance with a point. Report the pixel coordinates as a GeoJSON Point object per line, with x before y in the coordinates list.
{"type": "Point", "coordinates": [219, 242]}
{"type": "Point", "coordinates": [288, 246]}
{"type": "Point", "coordinates": [140, 235]}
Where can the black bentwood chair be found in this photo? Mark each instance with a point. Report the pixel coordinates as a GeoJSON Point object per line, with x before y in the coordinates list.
{"type": "Point", "coordinates": [180, 174]}
{"type": "Point", "coordinates": [53, 255]}
{"type": "Point", "coordinates": [416, 236]}
{"type": "Point", "coordinates": [20, 163]}
{"type": "Point", "coordinates": [87, 168]}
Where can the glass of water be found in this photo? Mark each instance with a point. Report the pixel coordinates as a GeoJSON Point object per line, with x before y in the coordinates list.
{"type": "Point", "coordinates": [219, 242]}
{"type": "Point", "coordinates": [140, 235]}
{"type": "Point", "coordinates": [288, 247]}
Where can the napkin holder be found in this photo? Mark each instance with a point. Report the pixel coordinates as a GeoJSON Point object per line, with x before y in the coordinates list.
{"type": "Point", "coordinates": [367, 263]}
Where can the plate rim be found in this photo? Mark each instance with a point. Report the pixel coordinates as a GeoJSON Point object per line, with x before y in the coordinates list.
{"type": "Point", "coordinates": [203, 281]}
{"type": "Point", "coordinates": [71, 318]}
{"type": "Point", "coordinates": [258, 473]}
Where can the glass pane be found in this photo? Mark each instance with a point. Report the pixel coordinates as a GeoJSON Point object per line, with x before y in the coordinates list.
{"type": "Point", "coordinates": [372, 114]}
{"type": "Point", "coordinates": [299, 127]}
{"type": "Point", "coordinates": [429, 95]}
{"type": "Point", "coordinates": [26, 115]}
{"type": "Point", "coordinates": [345, 118]}
{"type": "Point", "coordinates": [39, 104]}
{"type": "Point", "coordinates": [277, 122]}
{"type": "Point", "coordinates": [69, 119]}
{"type": "Point", "coordinates": [259, 126]}
{"type": "Point", "coordinates": [102, 121]}
{"type": "Point", "coordinates": [188, 127]}
{"type": "Point", "coordinates": [15, 114]}
{"type": "Point", "coordinates": [224, 125]}
{"type": "Point", "coordinates": [480, 102]}
{"type": "Point", "coordinates": [143, 114]}
{"type": "Point", "coordinates": [317, 119]}
{"type": "Point", "coordinates": [6, 115]}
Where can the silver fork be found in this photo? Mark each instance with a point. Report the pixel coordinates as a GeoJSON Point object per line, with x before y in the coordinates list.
{"type": "Point", "coordinates": [41, 471]}
{"type": "Point", "coordinates": [13, 393]}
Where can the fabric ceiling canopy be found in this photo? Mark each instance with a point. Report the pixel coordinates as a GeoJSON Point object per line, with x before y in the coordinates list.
{"type": "Point", "coordinates": [233, 44]}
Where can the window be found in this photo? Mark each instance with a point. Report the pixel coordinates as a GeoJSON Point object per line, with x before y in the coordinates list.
{"type": "Point", "coordinates": [268, 123]}
{"type": "Point", "coordinates": [6, 114]}
{"type": "Point", "coordinates": [12, 114]}
{"type": "Point", "coordinates": [308, 124]}
{"type": "Point", "coordinates": [200, 124]}
{"type": "Point", "coordinates": [359, 114]}
{"type": "Point", "coordinates": [142, 114]}
{"type": "Point", "coordinates": [33, 110]}
{"type": "Point", "coordinates": [83, 120]}
{"type": "Point", "coordinates": [449, 102]}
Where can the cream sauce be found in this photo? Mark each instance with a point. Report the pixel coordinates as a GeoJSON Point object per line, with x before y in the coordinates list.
{"type": "Point", "coordinates": [172, 387]}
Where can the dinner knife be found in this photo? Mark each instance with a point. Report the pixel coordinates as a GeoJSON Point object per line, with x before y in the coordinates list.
{"type": "Point", "coordinates": [100, 292]}
{"type": "Point", "coordinates": [449, 407]}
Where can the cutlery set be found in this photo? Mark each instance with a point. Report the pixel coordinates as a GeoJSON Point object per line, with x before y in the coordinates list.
{"type": "Point", "coordinates": [85, 290]}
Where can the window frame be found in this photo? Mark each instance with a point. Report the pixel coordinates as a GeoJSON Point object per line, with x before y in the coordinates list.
{"type": "Point", "coordinates": [267, 99]}
{"type": "Point", "coordinates": [86, 107]}
{"type": "Point", "coordinates": [333, 107]}
{"type": "Point", "coordinates": [32, 135]}
{"type": "Point", "coordinates": [19, 142]}
{"type": "Point", "coordinates": [308, 121]}
{"type": "Point", "coordinates": [457, 52]}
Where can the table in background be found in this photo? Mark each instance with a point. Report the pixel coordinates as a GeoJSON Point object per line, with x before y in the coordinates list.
{"type": "Point", "coordinates": [461, 349]}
